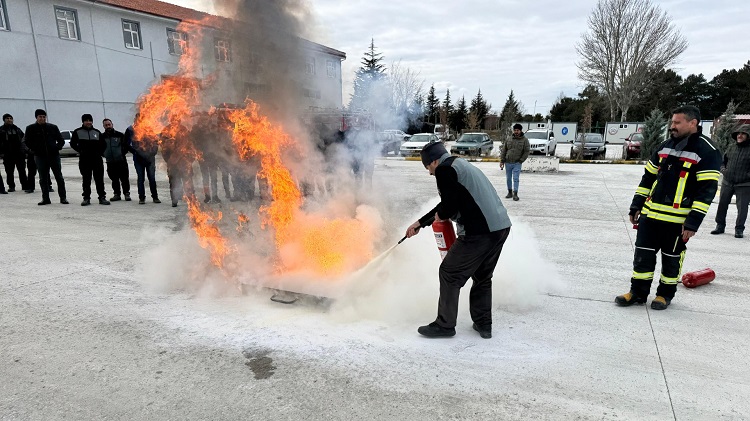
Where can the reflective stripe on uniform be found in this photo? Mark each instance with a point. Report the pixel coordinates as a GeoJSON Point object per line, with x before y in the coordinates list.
{"type": "Point", "coordinates": [666, 209]}
{"type": "Point", "coordinates": [642, 191]}
{"type": "Point", "coordinates": [709, 175]}
{"type": "Point", "coordinates": [650, 167]}
{"type": "Point", "coordinates": [700, 207]}
{"type": "Point", "coordinates": [662, 217]}
{"type": "Point", "coordinates": [643, 275]}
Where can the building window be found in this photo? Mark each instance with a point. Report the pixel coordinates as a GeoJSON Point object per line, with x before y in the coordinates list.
{"type": "Point", "coordinates": [222, 50]}
{"type": "Point", "coordinates": [131, 32]}
{"type": "Point", "coordinates": [311, 93]}
{"type": "Point", "coordinates": [3, 18]}
{"type": "Point", "coordinates": [310, 65]}
{"type": "Point", "coordinates": [331, 68]}
{"type": "Point", "coordinates": [67, 23]}
{"type": "Point", "coordinates": [176, 41]}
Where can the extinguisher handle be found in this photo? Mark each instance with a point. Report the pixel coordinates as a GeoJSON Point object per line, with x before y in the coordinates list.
{"type": "Point", "coordinates": [427, 223]}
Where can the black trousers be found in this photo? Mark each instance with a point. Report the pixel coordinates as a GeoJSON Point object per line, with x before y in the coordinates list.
{"type": "Point", "coordinates": [119, 174]}
{"type": "Point", "coordinates": [12, 164]}
{"type": "Point", "coordinates": [209, 173]}
{"type": "Point", "coordinates": [180, 176]}
{"type": "Point", "coordinates": [725, 198]}
{"type": "Point", "coordinates": [475, 257]}
{"type": "Point", "coordinates": [45, 165]}
{"type": "Point", "coordinates": [92, 167]}
{"type": "Point", "coordinates": [31, 175]}
{"type": "Point", "coordinates": [652, 237]}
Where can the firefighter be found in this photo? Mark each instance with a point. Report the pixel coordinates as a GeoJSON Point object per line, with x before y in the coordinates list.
{"type": "Point", "coordinates": [676, 190]}
{"type": "Point", "coordinates": [468, 197]}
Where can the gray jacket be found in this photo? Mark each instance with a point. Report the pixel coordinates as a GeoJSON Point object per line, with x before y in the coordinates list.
{"type": "Point", "coordinates": [736, 165]}
{"type": "Point", "coordinates": [515, 149]}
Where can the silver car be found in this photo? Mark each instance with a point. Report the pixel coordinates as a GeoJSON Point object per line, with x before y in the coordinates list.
{"type": "Point", "coordinates": [66, 149]}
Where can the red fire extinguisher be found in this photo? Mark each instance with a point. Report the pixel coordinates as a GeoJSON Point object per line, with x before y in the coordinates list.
{"type": "Point", "coordinates": [445, 236]}
{"type": "Point", "coordinates": [698, 278]}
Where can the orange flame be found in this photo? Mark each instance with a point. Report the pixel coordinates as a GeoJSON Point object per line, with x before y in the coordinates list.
{"type": "Point", "coordinates": [209, 236]}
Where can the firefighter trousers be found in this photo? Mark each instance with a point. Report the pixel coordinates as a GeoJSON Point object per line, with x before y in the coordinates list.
{"type": "Point", "coordinates": [475, 257]}
{"type": "Point", "coordinates": [654, 236]}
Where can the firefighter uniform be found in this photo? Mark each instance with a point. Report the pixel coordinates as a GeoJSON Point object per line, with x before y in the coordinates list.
{"type": "Point", "coordinates": [676, 190]}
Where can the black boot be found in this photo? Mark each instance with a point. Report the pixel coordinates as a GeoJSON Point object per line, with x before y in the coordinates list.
{"type": "Point", "coordinates": [509, 195]}
{"type": "Point", "coordinates": [86, 202]}
{"type": "Point", "coordinates": [719, 230]}
{"type": "Point", "coordinates": [103, 201]}
{"type": "Point", "coordinates": [515, 196]}
{"type": "Point", "coordinates": [434, 330]}
{"type": "Point", "coordinates": [738, 233]}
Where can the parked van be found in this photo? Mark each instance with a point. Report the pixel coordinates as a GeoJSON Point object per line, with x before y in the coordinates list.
{"type": "Point", "coordinates": [443, 132]}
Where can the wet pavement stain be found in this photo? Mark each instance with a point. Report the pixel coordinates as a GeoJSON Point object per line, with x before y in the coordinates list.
{"type": "Point", "coordinates": [260, 363]}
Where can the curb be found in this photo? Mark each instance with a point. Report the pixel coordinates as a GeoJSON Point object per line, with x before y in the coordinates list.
{"type": "Point", "coordinates": [562, 160]}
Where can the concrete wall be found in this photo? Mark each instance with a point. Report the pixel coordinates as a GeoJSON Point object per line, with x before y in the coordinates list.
{"type": "Point", "coordinates": [98, 74]}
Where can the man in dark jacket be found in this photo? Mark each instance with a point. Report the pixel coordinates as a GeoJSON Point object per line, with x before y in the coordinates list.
{"type": "Point", "coordinates": [204, 137]}
{"type": "Point", "coordinates": [468, 197]}
{"type": "Point", "coordinates": [144, 160]}
{"type": "Point", "coordinates": [179, 153]}
{"type": "Point", "coordinates": [87, 141]}
{"type": "Point", "coordinates": [736, 181]}
{"type": "Point", "coordinates": [676, 190]}
{"type": "Point", "coordinates": [14, 157]}
{"type": "Point", "coordinates": [514, 151]}
{"type": "Point", "coordinates": [115, 151]}
{"type": "Point", "coordinates": [45, 141]}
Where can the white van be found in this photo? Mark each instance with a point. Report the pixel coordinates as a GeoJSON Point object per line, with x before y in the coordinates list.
{"type": "Point", "coordinates": [443, 132]}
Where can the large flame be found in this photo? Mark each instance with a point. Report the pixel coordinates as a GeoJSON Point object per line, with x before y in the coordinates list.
{"type": "Point", "coordinates": [205, 224]}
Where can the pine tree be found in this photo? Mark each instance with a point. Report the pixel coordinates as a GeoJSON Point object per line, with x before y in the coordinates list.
{"type": "Point", "coordinates": [432, 105]}
{"type": "Point", "coordinates": [459, 115]}
{"type": "Point", "coordinates": [510, 113]}
{"type": "Point", "coordinates": [479, 108]}
{"type": "Point", "coordinates": [653, 133]}
{"type": "Point", "coordinates": [366, 87]}
{"type": "Point", "coordinates": [723, 130]}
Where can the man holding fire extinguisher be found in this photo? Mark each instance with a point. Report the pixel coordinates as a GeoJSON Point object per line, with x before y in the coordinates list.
{"type": "Point", "coordinates": [468, 198]}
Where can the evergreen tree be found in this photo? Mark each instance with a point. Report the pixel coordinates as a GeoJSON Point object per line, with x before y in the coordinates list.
{"type": "Point", "coordinates": [368, 91]}
{"type": "Point", "coordinates": [511, 112]}
{"type": "Point", "coordinates": [447, 102]}
{"type": "Point", "coordinates": [432, 106]}
{"type": "Point", "coordinates": [459, 115]}
{"type": "Point", "coordinates": [724, 128]}
{"type": "Point", "coordinates": [654, 130]}
{"type": "Point", "coordinates": [479, 108]}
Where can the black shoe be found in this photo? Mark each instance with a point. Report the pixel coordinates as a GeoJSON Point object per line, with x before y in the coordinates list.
{"type": "Point", "coordinates": [485, 331]}
{"type": "Point", "coordinates": [174, 203]}
{"type": "Point", "coordinates": [127, 197]}
{"type": "Point", "coordinates": [660, 303]}
{"type": "Point", "coordinates": [434, 330]}
{"type": "Point", "coordinates": [509, 195]}
{"type": "Point", "coordinates": [738, 234]}
{"type": "Point", "coordinates": [64, 201]}
{"type": "Point", "coordinates": [207, 200]}
{"type": "Point", "coordinates": [29, 191]}
{"type": "Point", "coordinates": [142, 201]}
{"type": "Point", "coordinates": [156, 200]}
{"type": "Point", "coordinates": [11, 190]}
{"type": "Point", "coordinates": [3, 192]}
{"type": "Point", "coordinates": [86, 202]}
{"type": "Point", "coordinates": [51, 190]}
{"type": "Point", "coordinates": [115, 198]}
{"type": "Point", "coordinates": [515, 196]}
{"type": "Point", "coordinates": [44, 202]}
{"type": "Point", "coordinates": [216, 199]}
{"type": "Point", "coordinates": [719, 230]}
{"type": "Point", "coordinates": [628, 299]}
{"type": "Point", "coordinates": [103, 201]}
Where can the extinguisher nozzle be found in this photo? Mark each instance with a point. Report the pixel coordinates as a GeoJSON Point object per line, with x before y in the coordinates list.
{"type": "Point", "coordinates": [401, 240]}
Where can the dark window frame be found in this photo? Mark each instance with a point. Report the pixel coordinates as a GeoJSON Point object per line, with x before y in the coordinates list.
{"type": "Point", "coordinates": [171, 42]}
{"type": "Point", "coordinates": [4, 20]}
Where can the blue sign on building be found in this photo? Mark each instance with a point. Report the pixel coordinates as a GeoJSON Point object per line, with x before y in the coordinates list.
{"type": "Point", "coordinates": [564, 131]}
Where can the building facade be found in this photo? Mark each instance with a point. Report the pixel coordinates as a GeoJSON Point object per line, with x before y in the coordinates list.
{"type": "Point", "coordinates": [72, 57]}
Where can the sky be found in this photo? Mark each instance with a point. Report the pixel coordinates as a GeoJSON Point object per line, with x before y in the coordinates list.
{"type": "Point", "coordinates": [503, 45]}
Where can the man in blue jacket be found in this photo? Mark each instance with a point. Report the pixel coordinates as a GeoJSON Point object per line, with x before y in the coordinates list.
{"type": "Point", "coordinates": [468, 198]}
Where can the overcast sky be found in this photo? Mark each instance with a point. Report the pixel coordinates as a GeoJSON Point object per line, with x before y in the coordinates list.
{"type": "Point", "coordinates": [499, 45]}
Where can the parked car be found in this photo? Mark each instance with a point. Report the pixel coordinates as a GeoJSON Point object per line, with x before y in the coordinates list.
{"type": "Point", "coordinates": [414, 145]}
{"type": "Point", "coordinates": [473, 144]}
{"type": "Point", "coordinates": [593, 145]}
{"type": "Point", "coordinates": [632, 147]}
{"type": "Point", "coordinates": [391, 140]}
{"type": "Point", "coordinates": [542, 141]}
{"type": "Point", "coordinates": [66, 149]}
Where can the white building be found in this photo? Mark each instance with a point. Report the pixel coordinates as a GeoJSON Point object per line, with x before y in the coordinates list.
{"type": "Point", "coordinates": [72, 57]}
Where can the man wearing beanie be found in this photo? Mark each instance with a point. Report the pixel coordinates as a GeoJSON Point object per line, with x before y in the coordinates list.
{"type": "Point", "coordinates": [736, 181]}
{"type": "Point", "coordinates": [468, 198]}
{"type": "Point", "coordinates": [45, 141]}
{"type": "Point", "coordinates": [11, 146]}
{"type": "Point", "coordinates": [88, 142]}
{"type": "Point", "coordinates": [514, 151]}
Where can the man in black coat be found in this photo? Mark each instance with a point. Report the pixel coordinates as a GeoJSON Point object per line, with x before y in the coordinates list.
{"type": "Point", "coordinates": [45, 141]}
{"type": "Point", "coordinates": [115, 151]}
{"type": "Point", "coordinates": [88, 142]}
{"type": "Point", "coordinates": [14, 157]}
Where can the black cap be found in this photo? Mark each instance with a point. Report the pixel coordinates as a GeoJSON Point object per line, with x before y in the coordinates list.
{"type": "Point", "coordinates": [517, 126]}
{"type": "Point", "coordinates": [87, 117]}
{"type": "Point", "coordinates": [39, 112]}
{"type": "Point", "coordinates": [431, 152]}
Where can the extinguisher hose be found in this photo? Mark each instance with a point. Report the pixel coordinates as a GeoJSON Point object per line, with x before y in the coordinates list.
{"type": "Point", "coordinates": [422, 225]}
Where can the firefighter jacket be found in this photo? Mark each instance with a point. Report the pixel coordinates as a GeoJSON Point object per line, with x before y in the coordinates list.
{"type": "Point", "coordinates": [44, 140]}
{"type": "Point", "coordinates": [515, 149]}
{"type": "Point", "coordinates": [468, 197]}
{"type": "Point", "coordinates": [115, 147]}
{"type": "Point", "coordinates": [680, 181]}
{"type": "Point", "coordinates": [88, 142]}
{"type": "Point", "coordinates": [10, 140]}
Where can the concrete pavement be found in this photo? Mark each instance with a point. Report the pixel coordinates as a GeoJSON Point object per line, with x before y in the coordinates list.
{"type": "Point", "coordinates": [95, 323]}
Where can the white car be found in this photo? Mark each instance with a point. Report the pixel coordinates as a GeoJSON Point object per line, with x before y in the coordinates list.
{"type": "Point", "coordinates": [542, 141]}
{"type": "Point", "coordinates": [66, 149]}
{"type": "Point", "coordinates": [414, 145]}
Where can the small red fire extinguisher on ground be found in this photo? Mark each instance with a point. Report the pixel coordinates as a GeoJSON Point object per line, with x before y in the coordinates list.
{"type": "Point", "coordinates": [445, 236]}
{"type": "Point", "coordinates": [698, 277]}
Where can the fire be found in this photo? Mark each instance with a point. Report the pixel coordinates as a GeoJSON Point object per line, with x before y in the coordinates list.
{"type": "Point", "coordinates": [205, 225]}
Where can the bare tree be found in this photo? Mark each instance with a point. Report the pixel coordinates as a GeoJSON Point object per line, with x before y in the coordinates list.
{"type": "Point", "coordinates": [473, 120]}
{"type": "Point", "coordinates": [628, 42]}
{"type": "Point", "coordinates": [405, 85]}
